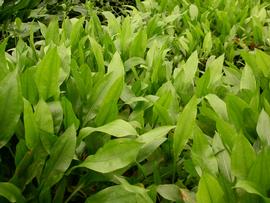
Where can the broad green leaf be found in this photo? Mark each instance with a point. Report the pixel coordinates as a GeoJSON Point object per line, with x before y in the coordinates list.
{"type": "Point", "coordinates": [170, 192]}
{"type": "Point", "coordinates": [30, 126]}
{"type": "Point", "coordinates": [262, 60]}
{"type": "Point", "coordinates": [263, 127]}
{"type": "Point", "coordinates": [114, 155]}
{"type": "Point", "coordinates": [209, 190]}
{"type": "Point", "coordinates": [242, 157]}
{"type": "Point", "coordinates": [184, 128]}
{"type": "Point", "coordinates": [76, 32]}
{"type": "Point", "coordinates": [193, 11]}
{"type": "Point", "coordinates": [116, 128]}
{"type": "Point", "coordinates": [65, 57]}
{"type": "Point", "coordinates": [3, 61]}
{"type": "Point", "coordinates": [47, 75]}
{"type": "Point", "coordinates": [11, 104]}
{"type": "Point", "coordinates": [57, 114]}
{"type": "Point", "coordinates": [235, 108]}
{"type": "Point", "coordinates": [252, 188]}
{"type": "Point", "coordinates": [52, 32]}
{"type": "Point", "coordinates": [11, 192]}
{"type": "Point", "coordinates": [207, 43]}
{"type": "Point", "coordinates": [258, 170]}
{"type": "Point", "coordinates": [69, 115]}
{"type": "Point", "coordinates": [118, 194]}
{"type": "Point", "coordinates": [190, 68]}
{"type": "Point", "coordinates": [138, 45]}
{"type": "Point", "coordinates": [248, 80]}
{"type": "Point", "coordinates": [97, 50]}
{"type": "Point", "coordinates": [152, 140]}
{"type": "Point", "coordinates": [61, 156]}
{"type": "Point", "coordinates": [218, 105]}
{"type": "Point", "coordinates": [29, 88]}
{"type": "Point", "coordinates": [215, 67]}
{"type": "Point", "coordinates": [202, 154]}
{"type": "Point", "coordinates": [112, 91]}
{"type": "Point", "coordinates": [223, 158]}
{"type": "Point", "coordinates": [43, 117]}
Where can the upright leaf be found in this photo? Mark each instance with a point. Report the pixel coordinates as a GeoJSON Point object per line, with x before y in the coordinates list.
{"type": "Point", "coordinates": [209, 190]}
{"type": "Point", "coordinates": [47, 75]}
{"type": "Point", "coordinates": [60, 158]}
{"type": "Point", "coordinates": [184, 128]}
{"type": "Point", "coordinates": [263, 127]}
{"type": "Point", "coordinates": [10, 106]}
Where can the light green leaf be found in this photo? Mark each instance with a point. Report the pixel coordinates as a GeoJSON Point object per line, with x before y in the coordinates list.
{"type": "Point", "coordinates": [11, 104]}
{"type": "Point", "coordinates": [30, 126]}
{"type": "Point", "coordinates": [218, 105]}
{"type": "Point", "coordinates": [11, 192]}
{"type": "Point", "coordinates": [97, 50]}
{"type": "Point", "coordinates": [242, 157]}
{"type": "Point", "coordinates": [118, 194]}
{"type": "Point", "coordinates": [170, 192]}
{"type": "Point", "coordinates": [47, 75]}
{"type": "Point", "coordinates": [263, 127]}
{"type": "Point", "coordinates": [207, 43]}
{"type": "Point", "coordinates": [193, 11]}
{"type": "Point", "coordinates": [152, 140]}
{"type": "Point", "coordinates": [61, 156]}
{"type": "Point", "coordinates": [248, 80]}
{"type": "Point", "coordinates": [202, 154]}
{"type": "Point", "coordinates": [185, 125]}
{"type": "Point", "coordinates": [114, 155]}
{"type": "Point", "coordinates": [116, 128]}
{"type": "Point", "coordinates": [209, 190]}
{"type": "Point", "coordinates": [69, 115]}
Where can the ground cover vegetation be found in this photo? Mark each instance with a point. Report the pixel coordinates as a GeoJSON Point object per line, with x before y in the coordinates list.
{"type": "Point", "coordinates": [135, 101]}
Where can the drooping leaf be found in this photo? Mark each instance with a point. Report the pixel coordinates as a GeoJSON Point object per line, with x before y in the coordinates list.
{"type": "Point", "coordinates": [11, 192]}
{"type": "Point", "coordinates": [117, 128]}
{"type": "Point", "coordinates": [152, 140]}
{"type": "Point", "coordinates": [114, 155]}
{"type": "Point", "coordinates": [170, 192]}
{"type": "Point", "coordinates": [118, 194]}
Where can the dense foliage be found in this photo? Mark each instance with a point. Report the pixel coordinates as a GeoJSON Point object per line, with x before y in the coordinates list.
{"type": "Point", "coordinates": [117, 101]}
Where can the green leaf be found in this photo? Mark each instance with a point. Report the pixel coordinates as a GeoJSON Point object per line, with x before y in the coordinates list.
{"type": "Point", "coordinates": [11, 104]}
{"type": "Point", "coordinates": [218, 105]}
{"type": "Point", "coordinates": [209, 190]}
{"type": "Point", "coordinates": [252, 188]}
{"type": "Point", "coordinates": [11, 192]}
{"type": "Point", "coordinates": [184, 128]}
{"type": "Point", "coordinates": [248, 80]}
{"type": "Point", "coordinates": [138, 45]}
{"type": "Point", "coordinates": [114, 155]}
{"type": "Point", "coordinates": [258, 170]}
{"type": "Point", "coordinates": [207, 43]}
{"type": "Point", "coordinates": [47, 75]}
{"type": "Point", "coordinates": [242, 157]}
{"type": "Point", "coordinates": [69, 115]}
{"type": "Point", "coordinates": [118, 194]}
{"type": "Point", "coordinates": [97, 50]}
{"type": "Point", "coordinates": [116, 128]}
{"type": "Point", "coordinates": [263, 127]}
{"type": "Point", "coordinates": [193, 11]}
{"type": "Point", "coordinates": [152, 140]}
{"type": "Point", "coordinates": [30, 126]}
{"type": "Point", "coordinates": [61, 156]}
{"type": "Point", "coordinates": [202, 154]}
{"type": "Point", "coordinates": [170, 192]}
